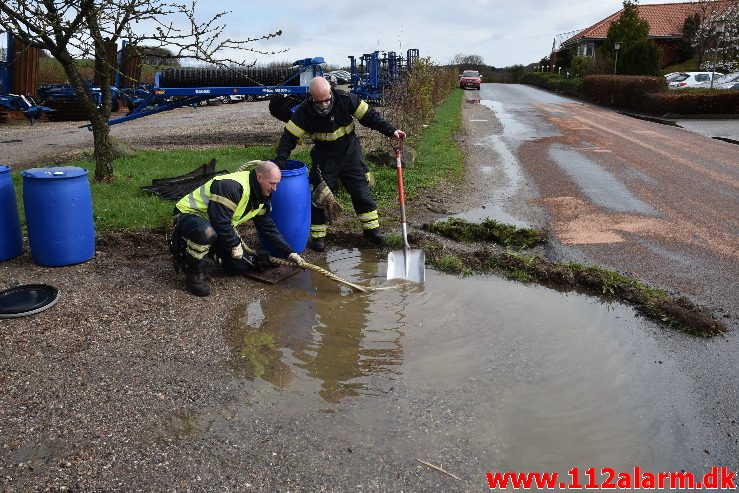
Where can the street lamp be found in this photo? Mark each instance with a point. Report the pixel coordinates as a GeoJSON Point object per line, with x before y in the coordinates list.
{"type": "Point", "coordinates": [718, 27]}
{"type": "Point", "coordinates": [616, 46]}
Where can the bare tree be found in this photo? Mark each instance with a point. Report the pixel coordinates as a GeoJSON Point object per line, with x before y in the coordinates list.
{"type": "Point", "coordinates": [705, 39]}
{"type": "Point", "coordinates": [461, 59]}
{"type": "Point", "coordinates": [73, 29]}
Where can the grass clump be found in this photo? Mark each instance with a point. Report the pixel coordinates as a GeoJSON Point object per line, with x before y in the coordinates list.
{"type": "Point", "coordinates": [487, 231]}
{"type": "Point", "coordinates": [450, 263]}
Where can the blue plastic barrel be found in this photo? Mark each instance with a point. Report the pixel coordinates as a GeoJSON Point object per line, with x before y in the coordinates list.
{"type": "Point", "coordinates": [11, 238]}
{"type": "Point", "coordinates": [291, 207]}
{"type": "Point", "coordinates": [59, 218]}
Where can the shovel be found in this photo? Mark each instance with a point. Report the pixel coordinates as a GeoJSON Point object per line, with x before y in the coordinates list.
{"type": "Point", "coordinates": [408, 264]}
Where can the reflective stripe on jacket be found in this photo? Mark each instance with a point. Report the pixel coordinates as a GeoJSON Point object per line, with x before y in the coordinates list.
{"type": "Point", "coordinates": [196, 202]}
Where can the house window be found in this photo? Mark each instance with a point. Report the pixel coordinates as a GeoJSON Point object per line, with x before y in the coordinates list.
{"type": "Point", "coordinates": [586, 49]}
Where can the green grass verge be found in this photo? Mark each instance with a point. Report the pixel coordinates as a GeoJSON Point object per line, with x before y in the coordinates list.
{"type": "Point", "coordinates": [123, 205]}
{"type": "Point", "coordinates": [438, 158]}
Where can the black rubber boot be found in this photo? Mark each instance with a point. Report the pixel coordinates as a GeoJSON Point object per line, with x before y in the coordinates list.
{"type": "Point", "coordinates": [375, 236]}
{"type": "Point", "coordinates": [317, 244]}
{"type": "Point", "coordinates": [196, 283]}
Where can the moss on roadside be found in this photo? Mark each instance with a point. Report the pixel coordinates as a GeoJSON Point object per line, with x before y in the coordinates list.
{"type": "Point", "coordinates": [488, 230]}
{"type": "Point", "coordinates": [656, 304]}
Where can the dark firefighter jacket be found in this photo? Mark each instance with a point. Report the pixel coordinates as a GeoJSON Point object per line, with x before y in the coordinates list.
{"type": "Point", "coordinates": [227, 201]}
{"type": "Point", "coordinates": [336, 144]}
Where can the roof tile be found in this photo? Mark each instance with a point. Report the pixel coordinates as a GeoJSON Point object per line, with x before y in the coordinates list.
{"type": "Point", "coordinates": [665, 20]}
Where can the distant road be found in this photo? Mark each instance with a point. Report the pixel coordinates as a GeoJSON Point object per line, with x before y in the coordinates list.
{"type": "Point", "coordinates": [655, 201]}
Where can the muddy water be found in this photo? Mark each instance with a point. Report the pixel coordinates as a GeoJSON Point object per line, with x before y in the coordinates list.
{"type": "Point", "coordinates": [478, 373]}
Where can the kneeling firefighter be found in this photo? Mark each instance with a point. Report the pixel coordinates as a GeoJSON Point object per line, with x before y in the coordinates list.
{"type": "Point", "coordinates": [206, 218]}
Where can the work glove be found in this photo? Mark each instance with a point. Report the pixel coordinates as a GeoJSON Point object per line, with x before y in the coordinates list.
{"type": "Point", "coordinates": [249, 165]}
{"type": "Point", "coordinates": [297, 259]}
{"type": "Point", "coordinates": [261, 260]}
{"type": "Point", "coordinates": [237, 252]}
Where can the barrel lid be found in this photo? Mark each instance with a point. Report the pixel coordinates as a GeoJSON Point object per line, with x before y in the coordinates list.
{"type": "Point", "coordinates": [293, 168]}
{"type": "Point", "coordinates": [27, 299]}
{"type": "Point", "coordinates": [4, 168]}
{"type": "Point", "coordinates": [55, 172]}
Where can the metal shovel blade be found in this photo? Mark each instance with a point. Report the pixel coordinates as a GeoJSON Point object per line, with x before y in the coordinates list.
{"type": "Point", "coordinates": [407, 264]}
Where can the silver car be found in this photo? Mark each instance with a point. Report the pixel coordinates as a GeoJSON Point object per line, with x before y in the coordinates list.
{"type": "Point", "coordinates": [724, 81]}
{"type": "Point", "coordinates": [691, 79]}
{"type": "Point", "coordinates": [342, 76]}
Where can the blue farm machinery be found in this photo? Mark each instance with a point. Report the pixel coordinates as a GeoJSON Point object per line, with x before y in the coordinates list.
{"type": "Point", "coordinates": [373, 74]}
{"type": "Point", "coordinates": [20, 90]}
{"type": "Point", "coordinates": [177, 87]}
{"type": "Point", "coordinates": [172, 87]}
{"type": "Point", "coordinates": [19, 80]}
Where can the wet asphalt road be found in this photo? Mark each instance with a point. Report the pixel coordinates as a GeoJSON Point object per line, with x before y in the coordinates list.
{"type": "Point", "coordinates": [650, 200]}
{"type": "Point", "coordinates": [656, 202]}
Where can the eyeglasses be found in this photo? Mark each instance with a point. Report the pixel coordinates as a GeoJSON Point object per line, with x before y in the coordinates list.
{"type": "Point", "coordinates": [324, 101]}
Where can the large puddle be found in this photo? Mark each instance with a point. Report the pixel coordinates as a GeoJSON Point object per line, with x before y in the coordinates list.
{"type": "Point", "coordinates": [511, 376]}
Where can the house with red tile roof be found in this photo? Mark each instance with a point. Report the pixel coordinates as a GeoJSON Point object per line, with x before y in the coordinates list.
{"type": "Point", "coordinates": [665, 28]}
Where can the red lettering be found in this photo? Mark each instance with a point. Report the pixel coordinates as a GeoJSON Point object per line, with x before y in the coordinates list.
{"type": "Point", "coordinates": [609, 473]}
{"type": "Point", "coordinates": [624, 481]}
{"type": "Point", "coordinates": [727, 478]}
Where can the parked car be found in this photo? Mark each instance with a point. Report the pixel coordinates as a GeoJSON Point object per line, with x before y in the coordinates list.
{"type": "Point", "coordinates": [470, 78]}
{"type": "Point", "coordinates": [722, 82]}
{"type": "Point", "coordinates": [719, 80]}
{"type": "Point", "coordinates": [331, 79]}
{"type": "Point", "coordinates": [342, 76]}
{"type": "Point", "coordinates": [670, 76]}
{"type": "Point", "coordinates": [690, 79]}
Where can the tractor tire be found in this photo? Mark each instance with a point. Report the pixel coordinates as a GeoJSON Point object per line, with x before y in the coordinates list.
{"type": "Point", "coordinates": [222, 77]}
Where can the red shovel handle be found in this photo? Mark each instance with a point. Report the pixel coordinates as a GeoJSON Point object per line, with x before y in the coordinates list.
{"type": "Point", "coordinates": [401, 192]}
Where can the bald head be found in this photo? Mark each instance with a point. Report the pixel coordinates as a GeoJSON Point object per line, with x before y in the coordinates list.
{"type": "Point", "coordinates": [268, 176]}
{"type": "Point", "coordinates": [320, 88]}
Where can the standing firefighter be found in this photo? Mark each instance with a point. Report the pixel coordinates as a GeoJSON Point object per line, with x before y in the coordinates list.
{"type": "Point", "coordinates": [328, 115]}
{"type": "Point", "coordinates": [206, 218]}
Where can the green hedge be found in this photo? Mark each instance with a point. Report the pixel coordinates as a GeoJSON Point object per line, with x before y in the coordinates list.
{"type": "Point", "coordinates": [645, 94]}
{"type": "Point", "coordinates": [692, 102]}
{"type": "Point", "coordinates": [621, 91]}
{"type": "Point", "coordinates": [553, 82]}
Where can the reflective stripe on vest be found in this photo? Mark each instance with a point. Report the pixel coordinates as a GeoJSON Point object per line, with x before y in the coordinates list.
{"type": "Point", "coordinates": [336, 134]}
{"type": "Point", "coordinates": [361, 110]}
{"type": "Point", "coordinates": [196, 202]}
{"type": "Point", "coordinates": [294, 129]}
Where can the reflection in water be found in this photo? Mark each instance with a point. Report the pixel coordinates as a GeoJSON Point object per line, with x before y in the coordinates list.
{"type": "Point", "coordinates": [331, 334]}
{"type": "Point", "coordinates": [477, 373]}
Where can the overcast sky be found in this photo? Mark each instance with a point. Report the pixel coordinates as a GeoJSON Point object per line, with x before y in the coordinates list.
{"type": "Point", "coordinates": [502, 32]}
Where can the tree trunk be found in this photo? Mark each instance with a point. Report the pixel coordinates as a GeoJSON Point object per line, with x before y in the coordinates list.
{"type": "Point", "coordinates": [98, 118]}
{"type": "Point", "coordinates": [103, 149]}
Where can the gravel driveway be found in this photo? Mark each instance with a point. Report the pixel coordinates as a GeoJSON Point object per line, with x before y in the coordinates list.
{"type": "Point", "coordinates": [208, 126]}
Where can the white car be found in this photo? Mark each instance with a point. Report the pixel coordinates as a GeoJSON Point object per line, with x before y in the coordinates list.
{"type": "Point", "coordinates": [690, 79]}
{"type": "Point", "coordinates": [669, 76]}
{"type": "Point", "coordinates": [723, 81]}
{"type": "Point", "coordinates": [342, 76]}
